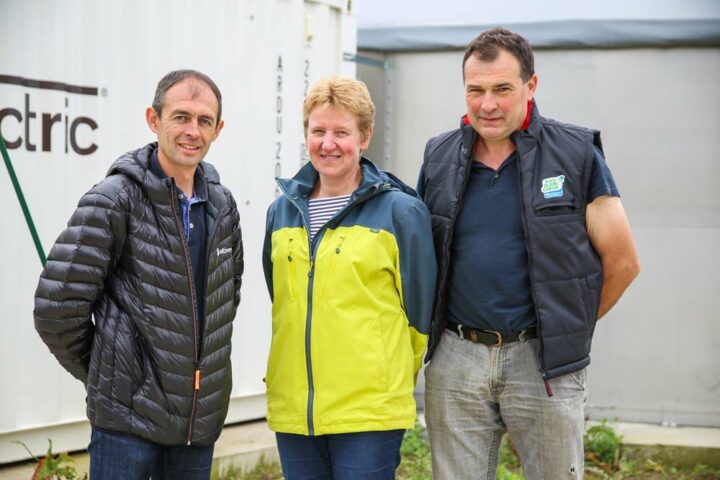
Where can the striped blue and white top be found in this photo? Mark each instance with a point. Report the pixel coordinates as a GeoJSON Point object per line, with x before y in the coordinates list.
{"type": "Point", "coordinates": [322, 210]}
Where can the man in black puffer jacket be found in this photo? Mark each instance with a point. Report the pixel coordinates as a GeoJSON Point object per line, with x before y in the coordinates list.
{"type": "Point", "coordinates": [154, 254]}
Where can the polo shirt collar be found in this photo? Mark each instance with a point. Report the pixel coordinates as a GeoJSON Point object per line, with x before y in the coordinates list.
{"type": "Point", "coordinates": [199, 182]}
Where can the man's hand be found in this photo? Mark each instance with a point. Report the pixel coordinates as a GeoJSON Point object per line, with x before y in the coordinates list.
{"type": "Point", "coordinates": [610, 234]}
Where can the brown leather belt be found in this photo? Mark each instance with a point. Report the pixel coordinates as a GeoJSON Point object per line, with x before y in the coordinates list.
{"type": "Point", "coordinates": [491, 338]}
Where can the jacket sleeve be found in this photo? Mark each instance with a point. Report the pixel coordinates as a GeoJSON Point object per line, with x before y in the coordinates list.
{"type": "Point", "coordinates": [421, 176]}
{"type": "Point", "coordinates": [421, 182]}
{"type": "Point", "coordinates": [267, 250]}
{"type": "Point", "coordinates": [73, 279]}
{"type": "Point", "coordinates": [418, 273]}
{"type": "Point", "coordinates": [238, 253]}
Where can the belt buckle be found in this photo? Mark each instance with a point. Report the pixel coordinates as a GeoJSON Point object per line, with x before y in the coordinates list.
{"type": "Point", "coordinates": [499, 337]}
{"type": "Point", "coordinates": [473, 336]}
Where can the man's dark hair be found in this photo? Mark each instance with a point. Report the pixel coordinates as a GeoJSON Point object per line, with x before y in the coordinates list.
{"type": "Point", "coordinates": [487, 46]}
{"type": "Point", "coordinates": [176, 76]}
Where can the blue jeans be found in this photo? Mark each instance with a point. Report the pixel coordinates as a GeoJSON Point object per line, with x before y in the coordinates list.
{"type": "Point", "coordinates": [343, 456]}
{"type": "Point", "coordinates": [475, 393]}
{"type": "Point", "coordinates": [117, 456]}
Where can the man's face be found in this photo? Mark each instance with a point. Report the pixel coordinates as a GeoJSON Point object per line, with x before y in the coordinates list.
{"type": "Point", "coordinates": [496, 96]}
{"type": "Point", "coordinates": [188, 124]}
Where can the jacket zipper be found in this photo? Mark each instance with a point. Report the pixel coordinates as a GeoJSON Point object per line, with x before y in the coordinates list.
{"type": "Point", "coordinates": [548, 388]}
{"type": "Point", "coordinates": [458, 206]}
{"type": "Point", "coordinates": [311, 280]}
{"type": "Point", "coordinates": [468, 164]}
{"type": "Point", "coordinates": [186, 256]}
{"type": "Point", "coordinates": [308, 359]}
{"type": "Point", "coordinates": [308, 314]}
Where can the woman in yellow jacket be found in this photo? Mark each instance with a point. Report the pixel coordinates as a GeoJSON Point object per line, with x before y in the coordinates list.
{"type": "Point", "coordinates": [350, 266]}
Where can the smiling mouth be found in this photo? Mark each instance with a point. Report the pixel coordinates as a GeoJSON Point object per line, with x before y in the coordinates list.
{"type": "Point", "coordinates": [192, 148]}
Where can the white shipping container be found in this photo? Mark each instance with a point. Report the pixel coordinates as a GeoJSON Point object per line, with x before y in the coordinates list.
{"type": "Point", "coordinates": [75, 79]}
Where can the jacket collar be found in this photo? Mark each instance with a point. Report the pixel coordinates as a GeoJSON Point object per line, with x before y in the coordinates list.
{"type": "Point", "coordinates": [374, 180]}
{"type": "Point", "coordinates": [136, 165]}
{"type": "Point", "coordinates": [199, 182]}
{"type": "Point", "coordinates": [524, 138]}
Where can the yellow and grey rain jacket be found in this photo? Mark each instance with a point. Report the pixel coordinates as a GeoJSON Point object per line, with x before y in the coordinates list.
{"type": "Point", "coordinates": [351, 309]}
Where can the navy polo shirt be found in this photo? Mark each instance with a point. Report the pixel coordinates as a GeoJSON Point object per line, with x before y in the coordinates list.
{"type": "Point", "coordinates": [192, 214]}
{"type": "Point", "coordinates": [488, 279]}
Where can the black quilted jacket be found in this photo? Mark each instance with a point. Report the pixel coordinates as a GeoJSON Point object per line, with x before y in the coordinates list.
{"type": "Point", "coordinates": [123, 260]}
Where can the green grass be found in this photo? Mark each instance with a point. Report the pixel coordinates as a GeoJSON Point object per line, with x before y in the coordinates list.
{"type": "Point", "coordinates": [263, 470]}
{"type": "Point", "coordinates": [509, 467]}
{"type": "Point", "coordinates": [604, 460]}
{"type": "Point", "coordinates": [415, 463]}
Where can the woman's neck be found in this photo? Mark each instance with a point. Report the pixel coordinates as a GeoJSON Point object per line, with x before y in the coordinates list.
{"type": "Point", "coordinates": [333, 187]}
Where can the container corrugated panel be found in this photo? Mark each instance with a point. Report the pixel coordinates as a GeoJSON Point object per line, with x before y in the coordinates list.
{"type": "Point", "coordinates": [263, 56]}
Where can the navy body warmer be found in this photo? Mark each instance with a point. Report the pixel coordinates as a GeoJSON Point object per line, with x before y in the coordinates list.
{"type": "Point", "coordinates": [555, 163]}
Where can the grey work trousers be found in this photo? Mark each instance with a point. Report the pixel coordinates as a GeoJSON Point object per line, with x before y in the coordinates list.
{"type": "Point", "coordinates": [475, 393]}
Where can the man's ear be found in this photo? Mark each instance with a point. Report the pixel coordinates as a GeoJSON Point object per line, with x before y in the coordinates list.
{"type": "Point", "coordinates": [532, 85]}
{"type": "Point", "coordinates": [220, 126]}
{"type": "Point", "coordinates": [152, 119]}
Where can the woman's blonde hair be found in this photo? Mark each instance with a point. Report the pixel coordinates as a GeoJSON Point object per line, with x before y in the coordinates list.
{"type": "Point", "coordinates": [343, 93]}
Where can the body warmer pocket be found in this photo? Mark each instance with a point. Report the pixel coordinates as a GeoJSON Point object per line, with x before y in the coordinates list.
{"type": "Point", "coordinates": [555, 208]}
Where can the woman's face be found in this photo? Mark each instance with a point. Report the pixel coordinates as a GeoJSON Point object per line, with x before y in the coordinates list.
{"type": "Point", "coordinates": [334, 143]}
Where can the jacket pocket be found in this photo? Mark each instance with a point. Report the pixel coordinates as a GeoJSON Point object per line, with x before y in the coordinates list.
{"type": "Point", "coordinates": [291, 267]}
{"type": "Point", "coordinates": [336, 250]}
{"type": "Point", "coordinates": [139, 372]}
{"type": "Point", "coordinates": [286, 262]}
{"type": "Point", "coordinates": [149, 400]}
{"type": "Point", "coordinates": [555, 208]}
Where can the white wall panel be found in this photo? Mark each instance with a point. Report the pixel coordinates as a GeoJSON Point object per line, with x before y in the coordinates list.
{"type": "Point", "coordinates": [123, 48]}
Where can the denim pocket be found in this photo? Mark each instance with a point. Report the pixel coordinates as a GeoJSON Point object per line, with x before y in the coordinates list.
{"type": "Point", "coordinates": [579, 377]}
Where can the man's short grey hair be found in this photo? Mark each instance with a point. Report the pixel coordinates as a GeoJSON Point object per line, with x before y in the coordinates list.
{"type": "Point", "coordinates": [176, 76]}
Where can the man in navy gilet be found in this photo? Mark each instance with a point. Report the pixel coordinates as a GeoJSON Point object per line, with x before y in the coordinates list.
{"type": "Point", "coordinates": [533, 247]}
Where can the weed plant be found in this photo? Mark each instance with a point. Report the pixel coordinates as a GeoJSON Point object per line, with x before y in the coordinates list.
{"type": "Point", "coordinates": [54, 466]}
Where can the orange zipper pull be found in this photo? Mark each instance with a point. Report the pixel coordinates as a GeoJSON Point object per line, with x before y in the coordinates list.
{"type": "Point", "coordinates": [197, 379]}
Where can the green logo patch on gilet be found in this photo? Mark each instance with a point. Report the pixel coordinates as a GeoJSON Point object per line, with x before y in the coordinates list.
{"type": "Point", "coordinates": [553, 186]}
